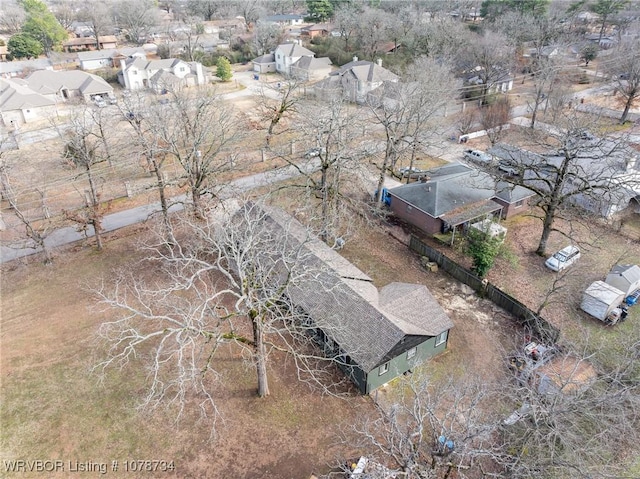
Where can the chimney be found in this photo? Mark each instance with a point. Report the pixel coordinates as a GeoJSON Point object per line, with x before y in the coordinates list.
{"type": "Point", "coordinates": [379, 62]}
{"type": "Point", "coordinates": [355, 58]}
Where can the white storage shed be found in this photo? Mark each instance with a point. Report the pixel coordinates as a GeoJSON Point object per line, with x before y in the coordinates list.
{"type": "Point", "coordinates": [625, 277]}
{"type": "Point", "coordinates": [600, 299]}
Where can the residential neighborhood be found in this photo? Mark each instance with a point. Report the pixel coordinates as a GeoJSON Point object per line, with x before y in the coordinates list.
{"type": "Point", "coordinates": [320, 238]}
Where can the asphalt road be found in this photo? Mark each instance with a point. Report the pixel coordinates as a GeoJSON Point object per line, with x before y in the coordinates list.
{"type": "Point", "coordinates": [140, 214]}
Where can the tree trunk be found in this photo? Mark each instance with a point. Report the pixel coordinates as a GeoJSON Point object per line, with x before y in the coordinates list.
{"type": "Point", "coordinates": [95, 219]}
{"type": "Point", "coordinates": [324, 234]}
{"type": "Point", "coordinates": [546, 231]}
{"type": "Point", "coordinates": [163, 198]}
{"type": "Point", "coordinates": [260, 352]}
{"type": "Point", "coordinates": [627, 106]}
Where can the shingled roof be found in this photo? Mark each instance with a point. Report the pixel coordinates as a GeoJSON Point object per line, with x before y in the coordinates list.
{"type": "Point", "coordinates": [345, 304]}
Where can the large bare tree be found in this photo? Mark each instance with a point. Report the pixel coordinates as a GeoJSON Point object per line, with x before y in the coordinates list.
{"type": "Point", "coordinates": [625, 70]}
{"type": "Point", "coordinates": [579, 169]}
{"type": "Point", "coordinates": [407, 112]}
{"type": "Point", "coordinates": [199, 131]}
{"type": "Point", "coordinates": [229, 279]}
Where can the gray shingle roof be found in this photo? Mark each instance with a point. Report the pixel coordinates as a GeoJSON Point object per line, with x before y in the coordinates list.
{"type": "Point", "coordinates": [453, 186]}
{"type": "Point", "coordinates": [367, 71]}
{"type": "Point", "coordinates": [312, 63]}
{"type": "Point", "coordinates": [16, 95]}
{"type": "Point", "coordinates": [294, 50]}
{"type": "Point", "coordinates": [47, 82]}
{"type": "Point", "coordinates": [345, 304]}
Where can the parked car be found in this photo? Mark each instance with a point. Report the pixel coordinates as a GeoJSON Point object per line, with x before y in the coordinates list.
{"type": "Point", "coordinates": [112, 100]}
{"type": "Point", "coordinates": [99, 101]}
{"type": "Point", "coordinates": [508, 169]}
{"type": "Point", "coordinates": [313, 152]}
{"type": "Point", "coordinates": [477, 156]}
{"type": "Point", "coordinates": [412, 172]}
{"type": "Point", "coordinates": [563, 258]}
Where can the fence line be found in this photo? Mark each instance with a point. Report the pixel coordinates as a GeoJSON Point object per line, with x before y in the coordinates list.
{"type": "Point", "coordinates": [526, 316]}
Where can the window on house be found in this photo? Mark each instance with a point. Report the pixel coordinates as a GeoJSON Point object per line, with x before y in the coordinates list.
{"type": "Point", "coordinates": [181, 69]}
{"type": "Point", "coordinates": [411, 353]}
{"type": "Point", "coordinates": [383, 369]}
{"type": "Point", "coordinates": [519, 203]}
{"type": "Point", "coordinates": [441, 338]}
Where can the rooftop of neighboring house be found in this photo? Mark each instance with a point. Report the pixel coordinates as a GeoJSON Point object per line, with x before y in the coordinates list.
{"type": "Point", "coordinates": [144, 64]}
{"type": "Point", "coordinates": [90, 41]}
{"type": "Point", "coordinates": [457, 186]}
{"type": "Point", "coordinates": [48, 82]}
{"type": "Point", "coordinates": [294, 50]}
{"type": "Point", "coordinates": [312, 63]}
{"type": "Point", "coordinates": [15, 94]}
{"type": "Point", "coordinates": [111, 53]}
{"type": "Point", "coordinates": [363, 70]}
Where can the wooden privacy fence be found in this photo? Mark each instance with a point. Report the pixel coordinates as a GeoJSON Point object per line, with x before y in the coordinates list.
{"type": "Point", "coordinates": [540, 326]}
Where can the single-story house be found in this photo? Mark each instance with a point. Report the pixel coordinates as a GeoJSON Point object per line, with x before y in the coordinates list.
{"type": "Point", "coordinates": [625, 277]}
{"type": "Point", "coordinates": [288, 19]}
{"type": "Point", "coordinates": [160, 75]}
{"type": "Point", "coordinates": [109, 58]}
{"type": "Point", "coordinates": [374, 335]}
{"type": "Point", "coordinates": [354, 80]}
{"type": "Point", "coordinates": [316, 30]}
{"type": "Point", "coordinates": [265, 63]}
{"type": "Point", "coordinates": [311, 69]}
{"type": "Point", "coordinates": [456, 195]}
{"type": "Point", "coordinates": [62, 85]}
{"type": "Point", "coordinates": [502, 84]}
{"type": "Point", "coordinates": [89, 43]}
{"type": "Point", "coordinates": [287, 54]}
{"type": "Point", "coordinates": [610, 167]}
{"type": "Point", "coordinates": [18, 68]}
{"type": "Point", "coordinates": [19, 104]}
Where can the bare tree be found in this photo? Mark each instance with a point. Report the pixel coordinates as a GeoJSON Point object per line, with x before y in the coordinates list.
{"type": "Point", "coordinates": [279, 102]}
{"type": "Point", "coordinates": [198, 130]}
{"type": "Point", "coordinates": [407, 111]}
{"type": "Point", "coordinates": [98, 16]}
{"type": "Point", "coordinates": [495, 117]}
{"type": "Point", "coordinates": [332, 130]}
{"type": "Point", "coordinates": [229, 279]}
{"type": "Point", "coordinates": [145, 119]}
{"type": "Point", "coordinates": [12, 18]}
{"type": "Point", "coordinates": [433, 430]}
{"type": "Point", "coordinates": [83, 149]}
{"type": "Point", "coordinates": [136, 18]}
{"type": "Point", "coordinates": [626, 75]}
{"type": "Point", "coordinates": [36, 229]}
{"type": "Point", "coordinates": [490, 60]}
{"type": "Point", "coordinates": [266, 37]}
{"type": "Point", "coordinates": [578, 170]}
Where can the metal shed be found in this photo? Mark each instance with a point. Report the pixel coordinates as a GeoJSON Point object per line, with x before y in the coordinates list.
{"type": "Point", "coordinates": [600, 299]}
{"type": "Point", "coordinates": [625, 277]}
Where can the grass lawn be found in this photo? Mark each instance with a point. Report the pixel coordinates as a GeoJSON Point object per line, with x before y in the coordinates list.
{"type": "Point", "coordinates": [54, 409]}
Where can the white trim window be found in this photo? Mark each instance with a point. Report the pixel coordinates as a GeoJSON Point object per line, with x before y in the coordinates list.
{"type": "Point", "coordinates": [383, 369]}
{"type": "Point", "coordinates": [441, 338]}
{"type": "Point", "coordinates": [411, 353]}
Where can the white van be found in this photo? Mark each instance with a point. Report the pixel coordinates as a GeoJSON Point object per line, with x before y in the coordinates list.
{"type": "Point", "coordinates": [563, 258]}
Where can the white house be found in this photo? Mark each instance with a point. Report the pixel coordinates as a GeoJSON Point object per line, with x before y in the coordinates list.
{"type": "Point", "coordinates": [289, 53]}
{"type": "Point", "coordinates": [160, 75]}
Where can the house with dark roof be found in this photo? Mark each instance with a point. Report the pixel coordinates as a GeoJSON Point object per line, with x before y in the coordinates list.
{"type": "Point", "coordinates": [375, 335]}
{"type": "Point", "coordinates": [355, 80]}
{"type": "Point", "coordinates": [160, 75]}
{"type": "Point", "coordinates": [453, 196]}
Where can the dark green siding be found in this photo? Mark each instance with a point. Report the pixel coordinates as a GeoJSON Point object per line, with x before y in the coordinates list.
{"type": "Point", "coordinates": [400, 364]}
